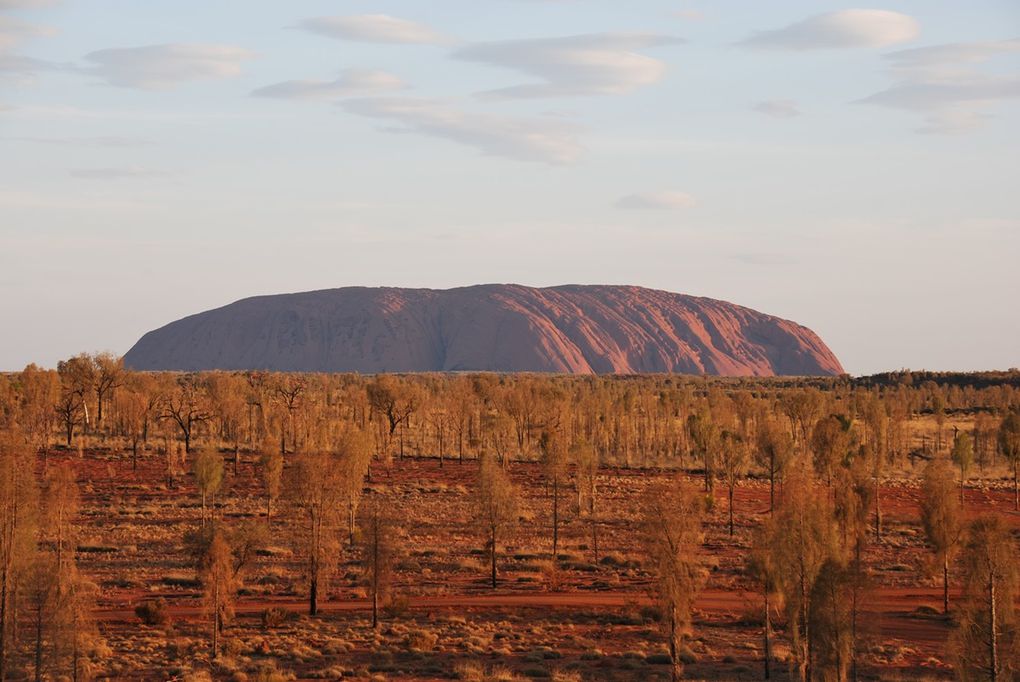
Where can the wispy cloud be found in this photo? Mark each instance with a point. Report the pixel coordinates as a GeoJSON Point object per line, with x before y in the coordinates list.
{"type": "Point", "coordinates": [841, 29]}
{"type": "Point", "coordinates": [116, 173]}
{"type": "Point", "coordinates": [351, 82]}
{"type": "Point", "coordinates": [777, 108]}
{"type": "Point", "coordinates": [160, 67]}
{"type": "Point", "coordinates": [99, 141]}
{"type": "Point", "coordinates": [945, 84]}
{"type": "Point", "coordinates": [14, 31]}
{"type": "Point", "coordinates": [373, 28]}
{"type": "Point", "coordinates": [595, 64]}
{"type": "Point", "coordinates": [523, 139]}
{"type": "Point", "coordinates": [662, 200]}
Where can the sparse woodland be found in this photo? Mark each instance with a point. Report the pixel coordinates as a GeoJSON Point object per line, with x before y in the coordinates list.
{"type": "Point", "coordinates": [262, 526]}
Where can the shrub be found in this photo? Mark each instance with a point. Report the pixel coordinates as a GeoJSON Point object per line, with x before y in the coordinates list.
{"type": "Point", "coordinates": [153, 612]}
{"type": "Point", "coordinates": [421, 640]}
{"type": "Point", "coordinates": [274, 617]}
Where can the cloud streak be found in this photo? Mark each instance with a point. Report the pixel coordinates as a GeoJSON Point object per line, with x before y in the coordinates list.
{"type": "Point", "coordinates": [777, 108]}
{"type": "Point", "coordinates": [664, 200]}
{"type": "Point", "coordinates": [116, 173]}
{"type": "Point", "coordinates": [847, 28]}
{"type": "Point", "coordinates": [594, 64]}
{"type": "Point", "coordinates": [522, 139]}
{"type": "Point", "coordinates": [162, 67]}
{"type": "Point", "coordinates": [373, 28]}
{"type": "Point", "coordinates": [351, 82]}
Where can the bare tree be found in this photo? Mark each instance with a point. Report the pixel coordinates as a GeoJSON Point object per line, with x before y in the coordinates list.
{"type": "Point", "coordinates": [496, 501]}
{"type": "Point", "coordinates": [109, 376]}
{"type": "Point", "coordinates": [186, 406]}
{"type": "Point", "coordinates": [672, 516]}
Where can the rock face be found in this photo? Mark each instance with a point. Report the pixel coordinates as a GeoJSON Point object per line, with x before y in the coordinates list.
{"type": "Point", "coordinates": [492, 327]}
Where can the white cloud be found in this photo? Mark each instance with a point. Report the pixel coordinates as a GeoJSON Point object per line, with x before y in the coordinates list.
{"type": "Point", "coordinates": [373, 28]}
{"type": "Point", "coordinates": [841, 29]}
{"type": "Point", "coordinates": [350, 82]}
{"type": "Point", "coordinates": [663, 200]}
{"type": "Point", "coordinates": [158, 67]}
{"type": "Point", "coordinates": [116, 173]}
{"type": "Point", "coordinates": [524, 139]}
{"type": "Point", "coordinates": [944, 83]}
{"type": "Point", "coordinates": [596, 64]}
{"type": "Point", "coordinates": [777, 108]}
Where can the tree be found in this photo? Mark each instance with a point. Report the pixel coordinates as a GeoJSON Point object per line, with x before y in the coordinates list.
{"type": "Point", "coordinates": [775, 448]}
{"type": "Point", "coordinates": [941, 518]}
{"type": "Point", "coordinates": [354, 449]}
{"type": "Point", "coordinates": [75, 628]}
{"type": "Point", "coordinates": [208, 470]}
{"type": "Point", "coordinates": [734, 459]}
{"type": "Point", "coordinates": [963, 457]}
{"type": "Point", "coordinates": [41, 594]}
{"type": "Point", "coordinates": [830, 442]}
{"type": "Point", "coordinates": [186, 406]}
{"type": "Point", "coordinates": [496, 500]}
{"type": "Point", "coordinates": [832, 620]}
{"type": "Point", "coordinates": [18, 518]}
{"type": "Point", "coordinates": [986, 642]}
{"type": "Point", "coordinates": [314, 487]}
{"type": "Point", "coordinates": [61, 502]}
{"type": "Point", "coordinates": [271, 472]}
{"type": "Point", "coordinates": [393, 401]}
{"type": "Point", "coordinates": [554, 469]}
{"type": "Point", "coordinates": [218, 585]}
{"type": "Point", "coordinates": [1009, 446]}
{"type": "Point", "coordinates": [586, 460]}
{"type": "Point", "coordinates": [801, 539]}
{"type": "Point", "coordinates": [760, 569]}
{"type": "Point", "coordinates": [109, 376]}
{"type": "Point", "coordinates": [672, 516]}
{"type": "Point", "coordinates": [378, 548]}
{"type": "Point", "coordinates": [706, 436]}
{"type": "Point", "coordinates": [289, 391]}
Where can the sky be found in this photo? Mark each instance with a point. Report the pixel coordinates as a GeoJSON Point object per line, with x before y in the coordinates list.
{"type": "Point", "coordinates": [852, 168]}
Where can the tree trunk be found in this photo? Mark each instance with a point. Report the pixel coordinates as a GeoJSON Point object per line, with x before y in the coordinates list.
{"type": "Point", "coordinates": [768, 640]}
{"type": "Point", "coordinates": [731, 510]}
{"type": "Point", "coordinates": [993, 644]}
{"type": "Point", "coordinates": [676, 666]}
{"type": "Point", "coordinates": [313, 596]}
{"type": "Point", "coordinates": [945, 583]}
{"type": "Point", "coordinates": [492, 556]}
{"type": "Point", "coordinates": [556, 517]}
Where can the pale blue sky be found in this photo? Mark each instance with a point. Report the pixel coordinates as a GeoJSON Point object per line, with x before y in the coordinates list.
{"type": "Point", "coordinates": [851, 169]}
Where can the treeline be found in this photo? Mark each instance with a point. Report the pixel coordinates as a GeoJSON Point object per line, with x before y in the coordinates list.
{"type": "Point", "coordinates": [823, 445]}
